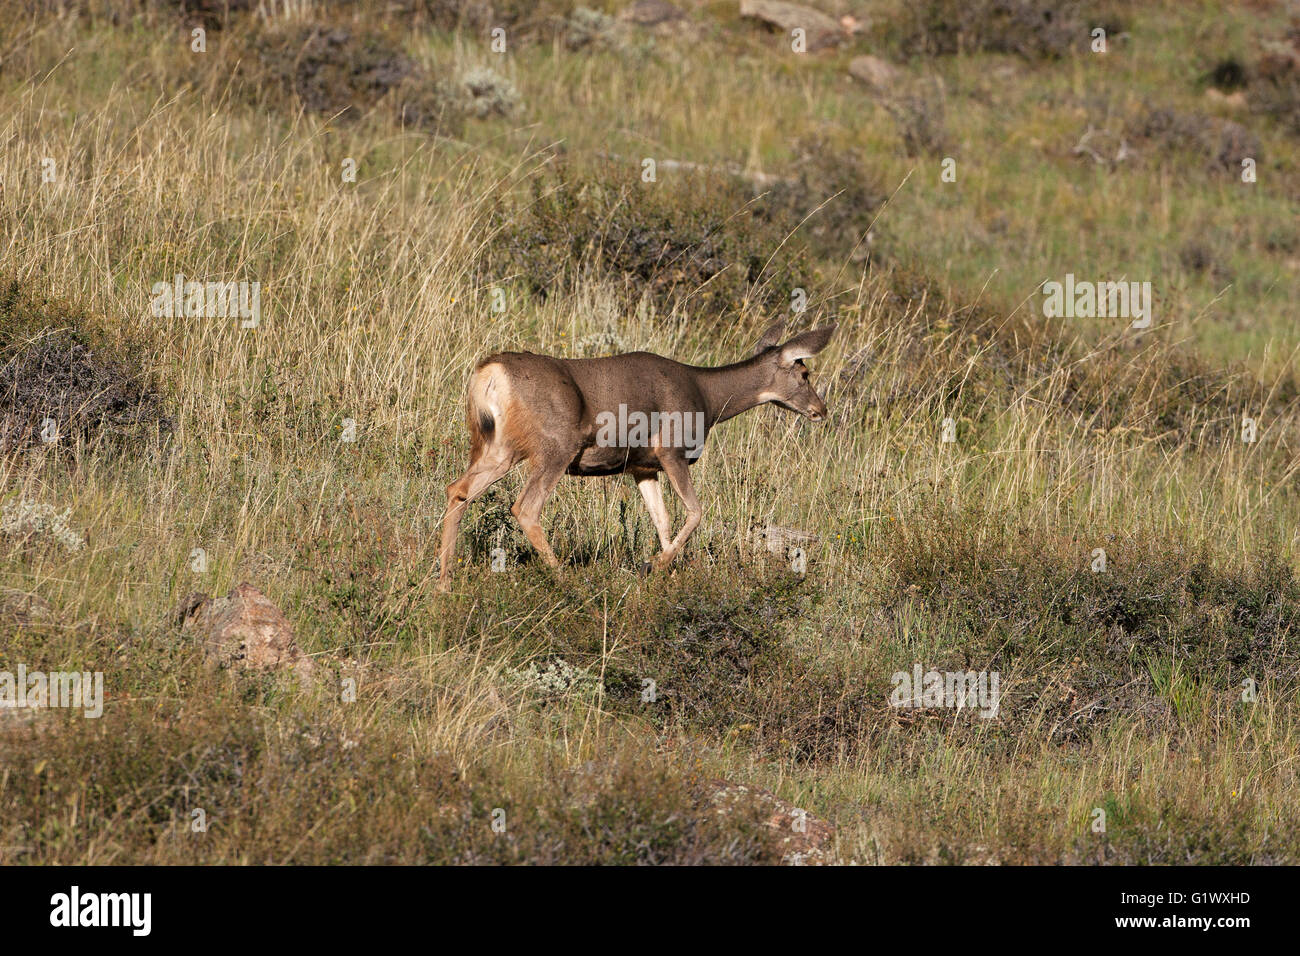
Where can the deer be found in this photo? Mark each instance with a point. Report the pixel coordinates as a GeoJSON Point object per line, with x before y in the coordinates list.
{"type": "Point", "coordinates": [637, 413]}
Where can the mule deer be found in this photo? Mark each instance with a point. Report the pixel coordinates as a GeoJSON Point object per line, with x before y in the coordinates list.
{"type": "Point", "coordinates": [637, 413]}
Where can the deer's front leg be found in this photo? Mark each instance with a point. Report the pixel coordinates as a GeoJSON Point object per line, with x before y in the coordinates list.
{"type": "Point", "coordinates": [647, 483]}
{"type": "Point", "coordinates": [679, 475]}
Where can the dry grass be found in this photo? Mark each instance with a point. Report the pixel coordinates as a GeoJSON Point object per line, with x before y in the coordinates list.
{"type": "Point", "coordinates": [1123, 689]}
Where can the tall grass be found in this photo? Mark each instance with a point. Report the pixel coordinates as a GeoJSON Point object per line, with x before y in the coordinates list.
{"type": "Point", "coordinates": [1124, 687]}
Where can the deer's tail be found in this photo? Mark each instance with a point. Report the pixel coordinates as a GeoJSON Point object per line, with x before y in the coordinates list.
{"type": "Point", "coordinates": [484, 404]}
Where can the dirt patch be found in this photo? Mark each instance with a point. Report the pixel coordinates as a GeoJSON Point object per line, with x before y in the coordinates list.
{"type": "Point", "coordinates": [803, 838]}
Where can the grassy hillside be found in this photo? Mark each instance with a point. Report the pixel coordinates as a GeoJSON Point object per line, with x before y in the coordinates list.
{"type": "Point", "coordinates": [500, 200]}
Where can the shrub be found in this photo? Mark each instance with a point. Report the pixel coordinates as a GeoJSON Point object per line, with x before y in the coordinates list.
{"type": "Point", "coordinates": [1275, 84]}
{"type": "Point", "coordinates": [482, 92]}
{"type": "Point", "coordinates": [1220, 144]}
{"type": "Point", "coordinates": [1034, 29]}
{"type": "Point", "coordinates": [59, 376]}
{"type": "Point", "coordinates": [708, 248]}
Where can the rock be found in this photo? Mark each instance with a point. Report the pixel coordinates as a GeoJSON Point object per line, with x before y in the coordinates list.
{"type": "Point", "coordinates": [820, 30]}
{"type": "Point", "coordinates": [651, 13]}
{"type": "Point", "coordinates": [804, 838]}
{"type": "Point", "coordinates": [245, 630]}
{"type": "Point", "coordinates": [876, 73]}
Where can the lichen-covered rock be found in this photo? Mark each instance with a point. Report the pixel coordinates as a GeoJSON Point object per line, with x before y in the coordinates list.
{"type": "Point", "coordinates": [245, 630]}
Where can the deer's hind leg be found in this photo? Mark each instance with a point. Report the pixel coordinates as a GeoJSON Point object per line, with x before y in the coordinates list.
{"type": "Point", "coordinates": [490, 465]}
{"type": "Point", "coordinates": [545, 475]}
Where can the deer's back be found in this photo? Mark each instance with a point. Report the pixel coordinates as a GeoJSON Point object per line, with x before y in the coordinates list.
{"type": "Point", "coordinates": [642, 381]}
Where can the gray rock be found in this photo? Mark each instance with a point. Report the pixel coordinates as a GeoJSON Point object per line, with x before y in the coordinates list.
{"type": "Point", "coordinates": [651, 13]}
{"type": "Point", "coordinates": [820, 30]}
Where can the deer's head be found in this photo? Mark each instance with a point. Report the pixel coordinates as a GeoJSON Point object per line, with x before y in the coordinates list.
{"type": "Point", "coordinates": [788, 382]}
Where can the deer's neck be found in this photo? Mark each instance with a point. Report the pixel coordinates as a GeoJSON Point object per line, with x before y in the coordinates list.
{"type": "Point", "coordinates": [731, 389]}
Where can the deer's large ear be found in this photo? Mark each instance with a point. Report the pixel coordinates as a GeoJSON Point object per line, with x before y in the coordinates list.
{"type": "Point", "coordinates": [772, 337]}
{"type": "Point", "coordinates": [805, 344]}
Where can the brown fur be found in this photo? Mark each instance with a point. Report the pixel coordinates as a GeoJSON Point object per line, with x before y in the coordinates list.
{"type": "Point", "coordinates": [548, 411]}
